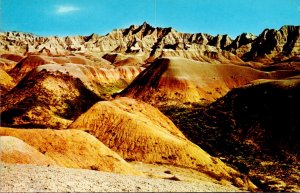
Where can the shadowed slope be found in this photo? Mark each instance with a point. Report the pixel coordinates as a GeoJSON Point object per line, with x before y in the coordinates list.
{"type": "Point", "coordinates": [16, 151]}
{"type": "Point", "coordinates": [44, 99]}
{"type": "Point", "coordinates": [254, 128]}
{"type": "Point", "coordinates": [26, 65]}
{"type": "Point", "coordinates": [140, 132]}
{"type": "Point", "coordinates": [72, 148]}
{"type": "Point", "coordinates": [177, 80]}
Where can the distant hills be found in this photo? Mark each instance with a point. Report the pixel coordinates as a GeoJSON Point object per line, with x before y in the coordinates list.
{"type": "Point", "coordinates": [149, 43]}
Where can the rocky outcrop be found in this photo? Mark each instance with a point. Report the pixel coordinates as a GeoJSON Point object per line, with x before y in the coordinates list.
{"type": "Point", "coordinates": [277, 45]}
{"type": "Point", "coordinates": [151, 43]}
{"type": "Point", "coordinates": [242, 44]}
{"type": "Point", "coordinates": [22, 68]}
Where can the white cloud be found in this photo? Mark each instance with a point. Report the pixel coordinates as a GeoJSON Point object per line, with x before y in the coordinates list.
{"type": "Point", "coordinates": [62, 9]}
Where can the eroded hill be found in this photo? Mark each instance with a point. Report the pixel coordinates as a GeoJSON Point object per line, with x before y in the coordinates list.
{"type": "Point", "coordinates": [140, 132]}
{"type": "Point", "coordinates": [177, 81]}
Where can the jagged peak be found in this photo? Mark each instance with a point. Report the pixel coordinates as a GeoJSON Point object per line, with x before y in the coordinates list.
{"type": "Point", "coordinates": [249, 36]}
{"type": "Point", "coordinates": [91, 37]}
{"type": "Point", "coordinates": [290, 27]}
{"type": "Point", "coordinates": [16, 33]}
{"type": "Point", "coordinates": [145, 24]}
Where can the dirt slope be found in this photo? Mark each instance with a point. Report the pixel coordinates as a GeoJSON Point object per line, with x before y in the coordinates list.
{"type": "Point", "coordinates": [16, 151]}
{"type": "Point", "coordinates": [72, 148]}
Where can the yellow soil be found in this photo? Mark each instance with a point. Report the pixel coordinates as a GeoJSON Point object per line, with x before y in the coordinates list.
{"type": "Point", "coordinates": [72, 148]}
{"type": "Point", "coordinates": [16, 151]}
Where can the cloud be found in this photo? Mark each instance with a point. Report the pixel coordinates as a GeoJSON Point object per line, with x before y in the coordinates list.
{"type": "Point", "coordinates": [63, 9]}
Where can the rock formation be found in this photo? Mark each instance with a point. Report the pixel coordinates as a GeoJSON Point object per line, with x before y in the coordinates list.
{"type": "Point", "coordinates": [149, 43]}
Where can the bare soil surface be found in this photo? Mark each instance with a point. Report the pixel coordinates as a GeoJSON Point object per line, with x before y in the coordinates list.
{"type": "Point", "coordinates": [29, 178]}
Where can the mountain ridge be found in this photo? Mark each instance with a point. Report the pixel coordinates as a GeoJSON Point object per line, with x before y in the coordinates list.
{"type": "Point", "coordinates": [152, 42]}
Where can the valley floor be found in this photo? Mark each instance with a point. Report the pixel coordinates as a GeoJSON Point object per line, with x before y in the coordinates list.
{"type": "Point", "coordinates": [29, 178]}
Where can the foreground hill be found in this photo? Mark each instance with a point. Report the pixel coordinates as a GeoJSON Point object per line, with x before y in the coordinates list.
{"type": "Point", "coordinates": [139, 132]}
{"type": "Point", "coordinates": [178, 81]}
{"type": "Point", "coordinates": [254, 128]}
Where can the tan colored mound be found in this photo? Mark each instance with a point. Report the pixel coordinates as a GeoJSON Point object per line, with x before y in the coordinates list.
{"type": "Point", "coordinates": [33, 61]}
{"type": "Point", "coordinates": [101, 81]}
{"type": "Point", "coordinates": [16, 151]}
{"type": "Point", "coordinates": [114, 57]}
{"type": "Point", "coordinates": [178, 80]}
{"type": "Point", "coordinates": [140, 132]}
{"type": "Point", "coordinates": [72, 148]}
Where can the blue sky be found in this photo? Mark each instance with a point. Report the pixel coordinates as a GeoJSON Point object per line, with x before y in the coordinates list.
{"type": "Point", "coordinates": [83, 17]}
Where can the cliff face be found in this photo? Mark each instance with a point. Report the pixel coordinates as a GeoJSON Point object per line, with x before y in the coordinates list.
{"type": "Point", "coordinates": [277, 45]}
{"type": "Point", "coordinates": [151, 43]}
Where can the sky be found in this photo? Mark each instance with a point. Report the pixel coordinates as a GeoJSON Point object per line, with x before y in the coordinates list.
{"type": "Point", "coordinates": [84, 17]}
